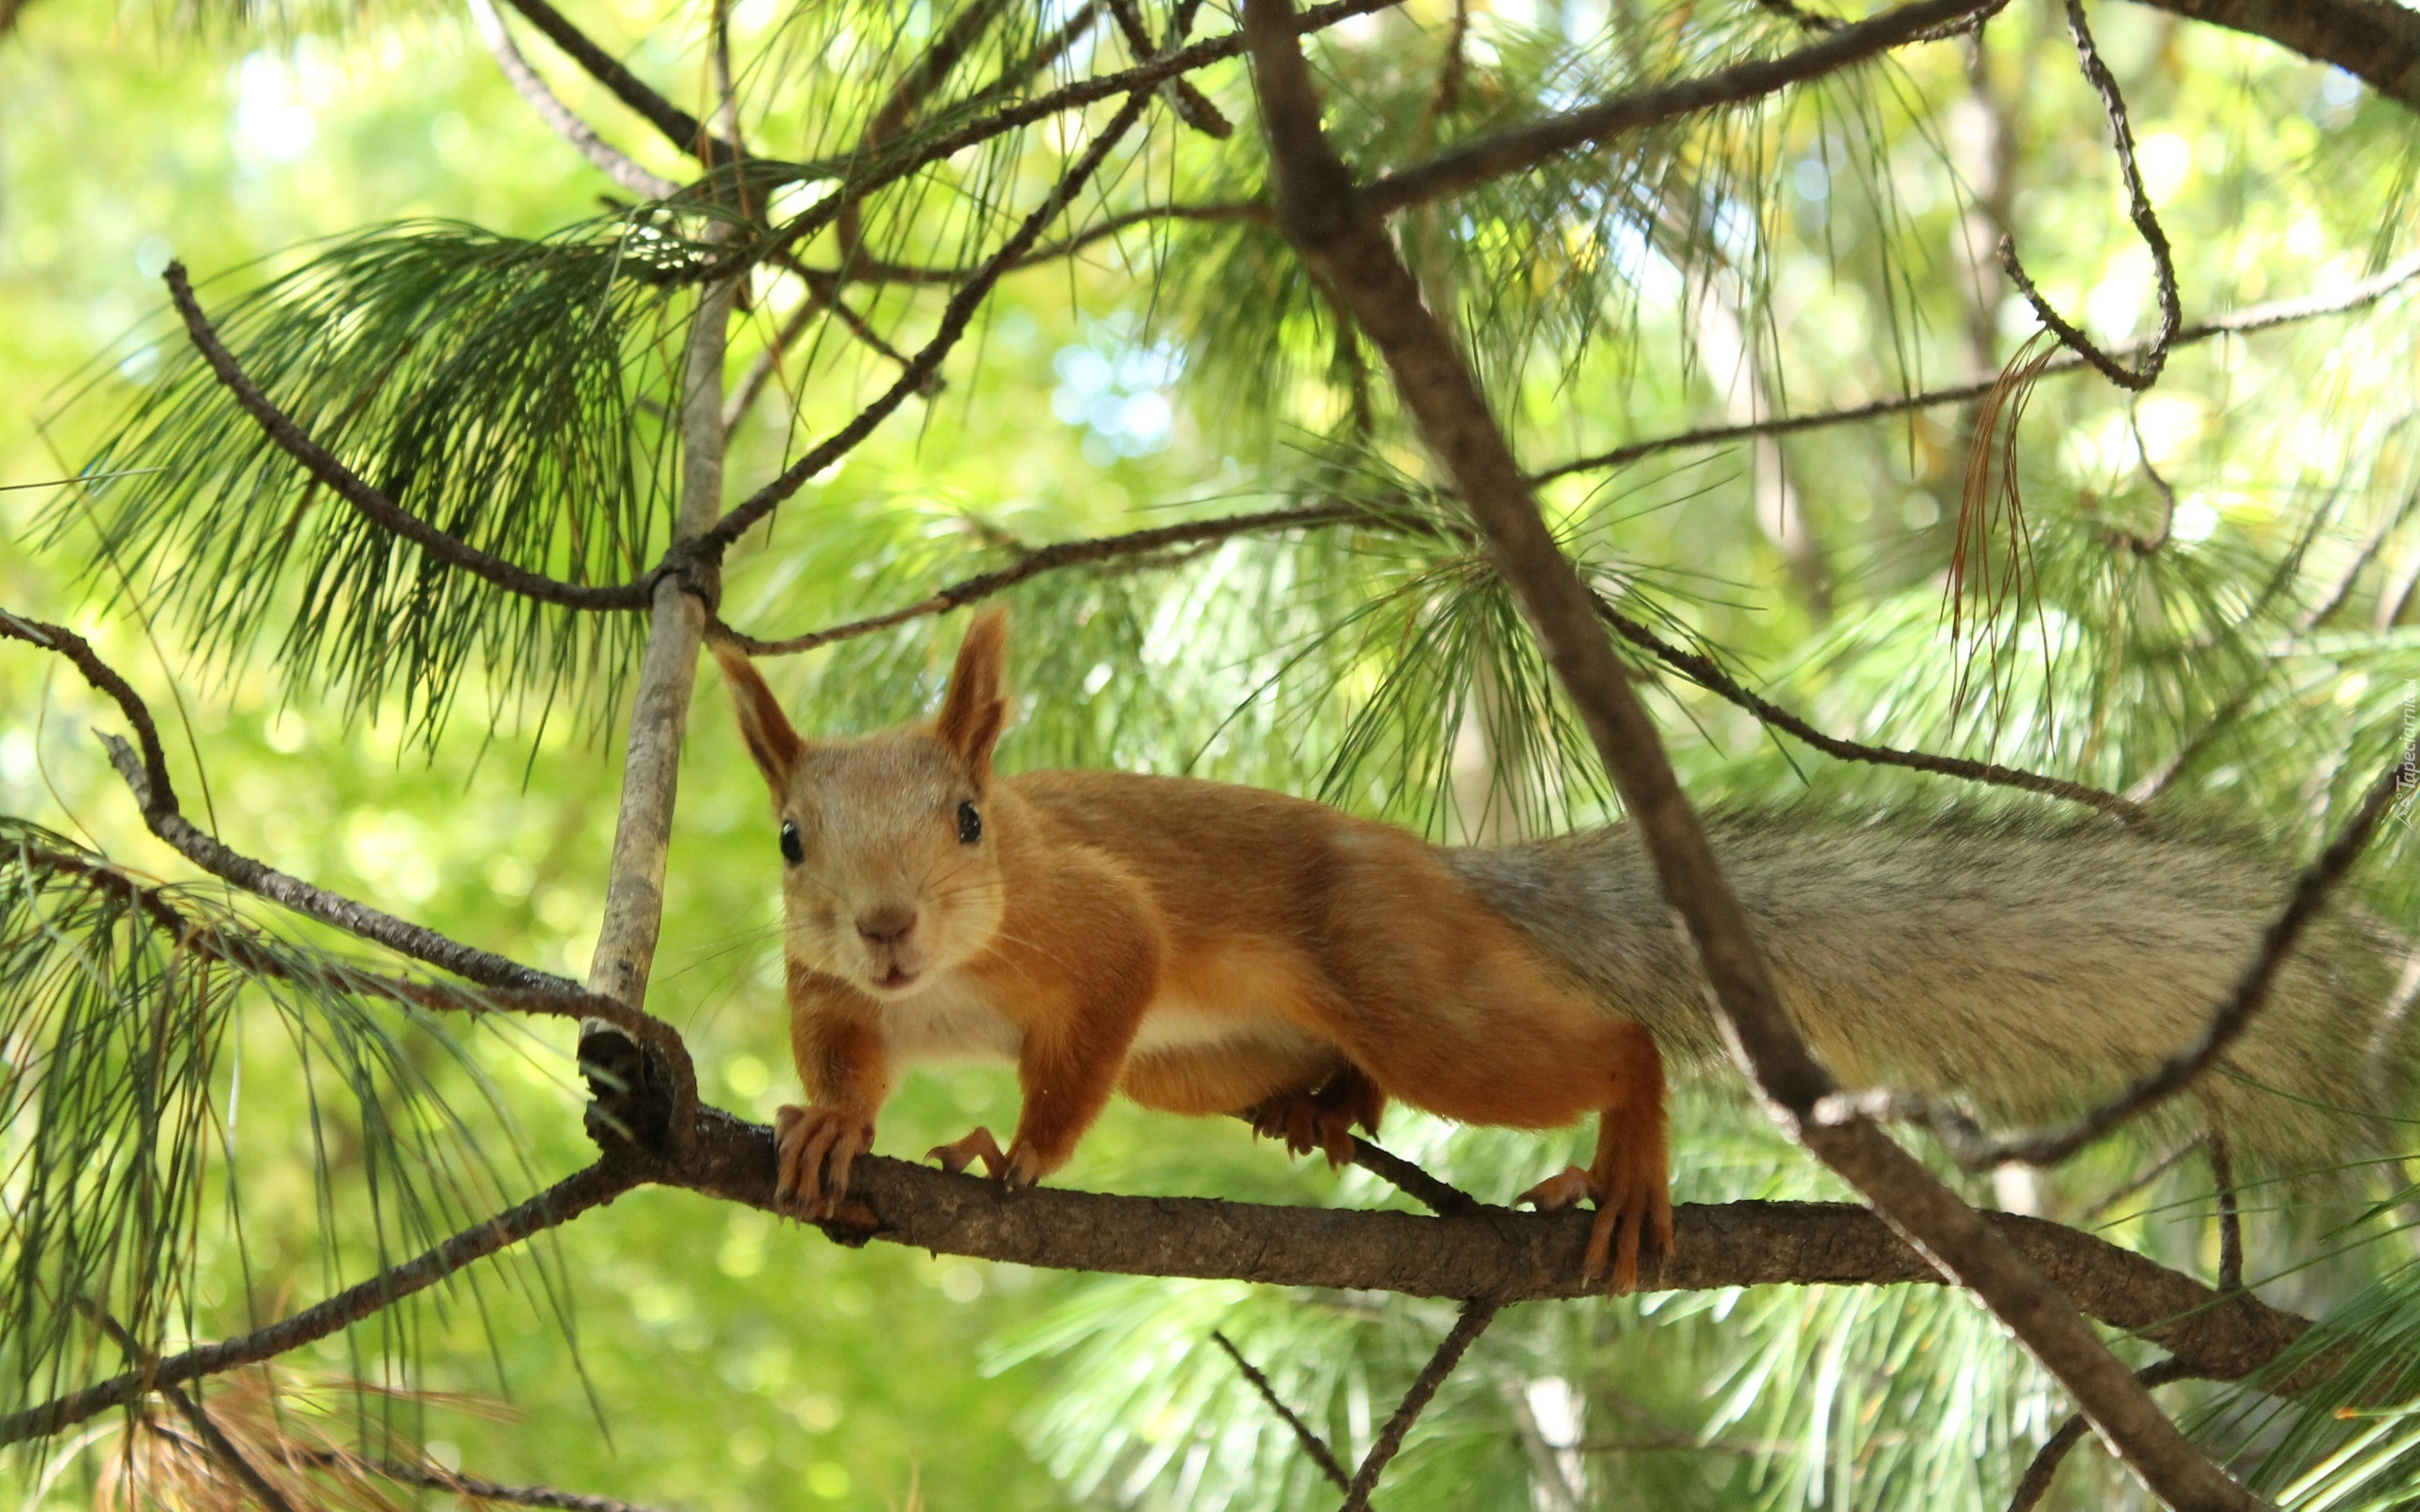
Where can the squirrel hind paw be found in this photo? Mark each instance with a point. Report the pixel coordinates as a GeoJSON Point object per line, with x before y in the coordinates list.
{"type": "Point", "coordinates": [959, 1154]}
{"type": "Point", "coordinates": [1633, 1221]}
{"type": "Point", "coordinates": [1625, 1230]}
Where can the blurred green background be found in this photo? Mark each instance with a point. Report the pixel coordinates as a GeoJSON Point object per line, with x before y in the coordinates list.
{"type": "Point", "coordinates": [681, 1355]}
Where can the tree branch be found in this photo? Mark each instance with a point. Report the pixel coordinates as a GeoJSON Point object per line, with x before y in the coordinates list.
{"type": "Point", "coordinates": [2252, 317]}
{"type": "Point", "coordinates": [860, 270]}
{"type": "Point", "coordinates": [2153, 357]}
{"type": "Point", "coordinates": [1312, 1443]}
{"type": "Point", "coordinates": [679, 128]}
{"type": "Point", "coordinates": [1491, 1252]}
{"type": "Point", "coordinates": [372, 504]}
{"type": "Point", "coordinates": [1050, 559]}
{"type": "Point", "coordinates": [2035, 1482]}
{"type": "Point", "coordinates": [630, 1100]}
{"type": "Point", "coordinates": [857, 184]}
{"type": "Point", "coordinates": [1707, 674]}
{"type": "Point", "coordinates": [215, 1441]}
{"type": "Point", "coordinates": [1521, 147]}
{"type": "Point", "coordinates": [602, 155]}
{"type": "Point", "coordinates": [2374, 41]}
{"type": "Point", "coordinates": [1190, 105]}
{"type": "Point", "coordinates": [1477, 1314]}
{"type": "Point", "coordinates": [1698, 669]}
{"type": "Point", "coordinates": [476, 1489]}
{"type": "Point", "coordinates": [558, 1203]}
{"type": "Point", "coordinates": [246, 950]}
{"type": "Point", "coordinates": [955, 319]}
{"type": "Point", "coordinates": [1343, 238]}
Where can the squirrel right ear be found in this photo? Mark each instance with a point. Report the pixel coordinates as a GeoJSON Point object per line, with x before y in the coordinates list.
{"type": "Point", "coordinates": [974, 710]}
{"type": "Point", "coordinates": [767, 729]}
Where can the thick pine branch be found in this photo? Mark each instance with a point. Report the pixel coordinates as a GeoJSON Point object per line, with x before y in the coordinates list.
{"type": "Point", "coordinates": [2374, 41]}
{"type": "Point", "coordinates": [1520, 149]}
{"type": "Point", "coordinates": [1490, 1252]}
{"type": "Point", "coordinates": [372, 503]}
{"type": "Point", "coordinates": [2252, 317]}
{"type": "Point", "coordinates": [1343, 240]}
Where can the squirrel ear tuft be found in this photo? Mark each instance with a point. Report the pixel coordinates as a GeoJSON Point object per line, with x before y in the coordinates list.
{"type": "Point", "coordinates": [974, 710]}
{"type": "Point", "coordinates": [762, 724]}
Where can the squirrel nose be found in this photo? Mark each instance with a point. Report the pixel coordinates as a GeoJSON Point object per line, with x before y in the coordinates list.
{"type": "Point", "coordinates": [887, 925]}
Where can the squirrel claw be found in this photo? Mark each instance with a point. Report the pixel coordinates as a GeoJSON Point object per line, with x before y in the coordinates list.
{"type": "Point", "coordinates": [815, 1148]}
{"type": "Point", "coordinates": [1321, 1120]}
{"type": "Point", "coordinates": [956, 1157]}
{"type": "Point", "coordinates": [1018, 1168]}
{"type": "Point", "coordinates": [1635, 1219]}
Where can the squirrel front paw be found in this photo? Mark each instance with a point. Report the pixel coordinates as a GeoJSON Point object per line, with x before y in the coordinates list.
{"type": "Point", "coordinates": [1019, 1167]}
{"type": "Point", "coordinates": [817, 1145]}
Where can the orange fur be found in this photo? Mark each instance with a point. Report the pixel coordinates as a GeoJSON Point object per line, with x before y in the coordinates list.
{"type": "Point", "coordinates": [1204, 947]}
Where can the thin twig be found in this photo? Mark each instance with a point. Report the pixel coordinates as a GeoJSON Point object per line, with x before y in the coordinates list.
{"type": "Point", "coordinates": [1442, 1198]}
{"type": "Point", "coordinates": [1707, 674]}
{"type": "Point", "coordinates": [2154, 356]}
{"type": "Point", "coordinates": [864, 270]}
{"type": "Point", "coordinates": [2230, 1211]}
{"type": "Point", "coordinates": [371, 502]}
{"type": "Point", "coordinates": [1144, 77]}
{"type": "Point", "coordinates": [1191, 106]}
{"type": "Point", "coordinates": [2152, 1172]}
{"type": "Point", "coordinates": [1312, 1443]}
{"type": "Point", "coordinates": [1448, 98]}
{"type": "Point", "coordinates": [1049, 558]}
{"type": "Point", "coordinates": [1477, 1314]}
{"type": "Point", "coordinates": [558, 1203]}
{"type": "Point", "coordinates": [1519, 148]}
{"type": "Point", "coordinates": [955, 319]}
{"type": "Point", "coordinates": [2035, 1482]}
{"type": "Point", "coordinates": [907, 95]}
{"type": "Point", "coordinates": [560, 118]}
{"type": "Point", "coordinates": [225, 1451]}
{"type": "Point", "coordinates": [1976, 1150]}
{"type": "Point", "coordinates": [760, 372]}
{"type": "Point", "coordinates": [1698, 669]}
{"type": "Point", "coordinates": [2252, 317]}
{"type": "Point", "coordinates": [683, 130]}
{"type": "Point", "coordinates": [218, 1445]}
{"type": "Point", "coordinates": [249, 952]}
{"type": "Point", "coordinates": [436, 1477]}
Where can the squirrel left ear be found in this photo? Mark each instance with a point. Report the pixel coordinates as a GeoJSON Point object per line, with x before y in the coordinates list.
{"type": "Point", "coordinates": [974, 710]}
{"type": "Point", "coordinates": [771, 740]}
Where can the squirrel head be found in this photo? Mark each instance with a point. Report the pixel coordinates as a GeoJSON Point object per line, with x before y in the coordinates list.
{"type": "Point", "coordinates": [891, 871]}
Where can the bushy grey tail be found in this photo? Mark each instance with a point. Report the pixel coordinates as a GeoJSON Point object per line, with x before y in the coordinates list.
{"type": "Point", "coordinates": [2030, 969]}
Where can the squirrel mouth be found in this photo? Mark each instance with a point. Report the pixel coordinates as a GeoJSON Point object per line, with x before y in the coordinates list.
{"type": "Point", "coordinates": [895, 979]}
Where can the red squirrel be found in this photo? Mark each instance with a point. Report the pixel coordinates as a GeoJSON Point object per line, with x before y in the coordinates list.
{"type": "Point", "coordinates": [1209, 949]}
{"type": "Point", "coordinates": [1204, 948]}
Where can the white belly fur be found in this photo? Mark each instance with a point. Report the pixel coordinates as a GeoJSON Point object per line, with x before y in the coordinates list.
{"type": "Point", "coordinates": [950, 1020]}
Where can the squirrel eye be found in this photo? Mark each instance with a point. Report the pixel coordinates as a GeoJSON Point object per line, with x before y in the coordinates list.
{"type": "Point", "coordinates": [970, 824]}
{"type": "Point", "coordinates": [792, 852]}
